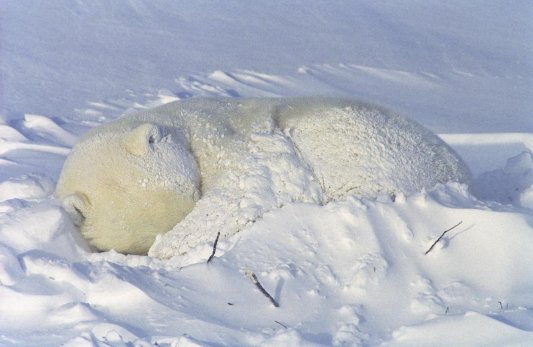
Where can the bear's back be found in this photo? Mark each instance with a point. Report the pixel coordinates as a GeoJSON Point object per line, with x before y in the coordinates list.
{"type": "Point", "coordinates": [355, 148]}
{"type": "Point", "coordinates": [352, 147]}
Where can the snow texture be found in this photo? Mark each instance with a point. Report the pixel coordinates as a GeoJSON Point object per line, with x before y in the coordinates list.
{"type": "Point", "coordinates": [349, 273]}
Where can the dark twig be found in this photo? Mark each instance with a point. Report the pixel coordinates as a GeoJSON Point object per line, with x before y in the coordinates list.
{"type": "Point", "coordinates": [283, 325]}
{"type": "Point", "coordinates": [254, 280]}
{"type": "Point", "coordinates": [441, 236]}
{"type": "Point", "coordinates": [214, 249]}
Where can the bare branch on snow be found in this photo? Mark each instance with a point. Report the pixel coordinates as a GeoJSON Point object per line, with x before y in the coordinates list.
{"type": "Point", "coordinates": [441, 236]}
{"type": "Point", "coordinates": [283, 325]}
{"type": "Point", "coordinates": [255, 281]}
{"type": "Point", "coordinates": [214, 248]}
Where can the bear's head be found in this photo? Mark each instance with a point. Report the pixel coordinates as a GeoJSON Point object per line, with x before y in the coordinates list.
{"type": "Point", "coordinates": [125, 183]}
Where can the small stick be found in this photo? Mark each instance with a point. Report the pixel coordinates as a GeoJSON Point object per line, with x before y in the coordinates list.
{"type": "Point", "coordinates": [441, 236]}
{"type": "Point", "coordinates": [283, 325]}
{"type": "Point", "coordinates": [254, 280]}
{"type": "Point", "coordinates": [214, 249]}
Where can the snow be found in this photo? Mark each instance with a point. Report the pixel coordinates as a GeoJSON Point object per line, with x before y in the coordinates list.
{"type": "Point", "coordinates": [351, 272]}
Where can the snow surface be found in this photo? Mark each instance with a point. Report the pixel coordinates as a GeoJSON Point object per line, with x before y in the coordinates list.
{"type": "Point", "coordinates": [351, 272]}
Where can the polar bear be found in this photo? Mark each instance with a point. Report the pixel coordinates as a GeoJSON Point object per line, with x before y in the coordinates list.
{"type": "Point", "coordinates": [164, 180]}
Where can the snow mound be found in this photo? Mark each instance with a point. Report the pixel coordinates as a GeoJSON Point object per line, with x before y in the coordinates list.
{"type": "Point", "coordinates": [512, 184]}
{"type": "Point", "coordinates": [436, 333]}
{"type": "Point", "coordinates": [352, 272]}
{"type": "Point", "coordinates": [26, 187]}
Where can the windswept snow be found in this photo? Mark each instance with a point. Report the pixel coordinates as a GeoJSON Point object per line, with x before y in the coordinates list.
{"type": "Point", "coordinates": [456, 67]}
{"type": "Point", "coordinates": [350, 273]}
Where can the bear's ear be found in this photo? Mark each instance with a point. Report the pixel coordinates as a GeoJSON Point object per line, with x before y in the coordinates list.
{"type": "Point", "coordinates": [76, 205]}
{"type": "Point", "coordinates": [142, 138]}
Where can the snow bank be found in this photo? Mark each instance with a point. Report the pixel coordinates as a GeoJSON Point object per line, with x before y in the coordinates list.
{"type": "Point", "coordinates": [352, 272]}
{"type": "Point", "coordinates": [512, 184]}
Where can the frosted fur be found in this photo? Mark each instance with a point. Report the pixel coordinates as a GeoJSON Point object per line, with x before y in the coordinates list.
{"type": "Point", "coordinates": [142, 175]}
{"type": "Point", "coordinates": [125, 182]}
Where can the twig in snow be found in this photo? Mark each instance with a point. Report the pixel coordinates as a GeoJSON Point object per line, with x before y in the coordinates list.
{"type": "Point", "coordinates": [441, 236]}
{"type": "Point", "coordinates": [283, 325]}
{"type": "Point", "coordinates": [214, 249]}
{"type": "Point", "coordinates": [254, 280]}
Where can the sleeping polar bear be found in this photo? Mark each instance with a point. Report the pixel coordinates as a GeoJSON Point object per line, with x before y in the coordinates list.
{"type": "Point", "coordinates": [182, 172]}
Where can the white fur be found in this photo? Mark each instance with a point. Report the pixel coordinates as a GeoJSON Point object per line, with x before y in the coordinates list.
{"type": "Point", "coordinates": [142, 175]}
